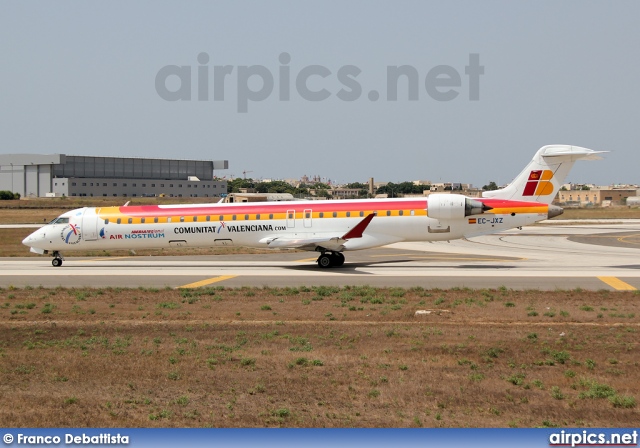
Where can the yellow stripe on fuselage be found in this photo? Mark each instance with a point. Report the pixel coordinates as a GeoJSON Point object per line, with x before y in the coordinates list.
{"type": "Point", "coordinates": [201, 218]}
{"type": "Point", "coordinates": [113, 214]}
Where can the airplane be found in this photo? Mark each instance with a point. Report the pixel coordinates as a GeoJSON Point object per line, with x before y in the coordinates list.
{"type": "Point", "coordinates": [327, 227]}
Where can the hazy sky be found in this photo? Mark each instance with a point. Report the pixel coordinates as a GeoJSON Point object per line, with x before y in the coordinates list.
{"type": "Point", "coordinates": [80, 78]}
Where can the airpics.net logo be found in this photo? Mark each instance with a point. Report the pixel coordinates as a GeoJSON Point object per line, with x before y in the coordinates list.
{"type": "Point", "coordinates": [254, 83]}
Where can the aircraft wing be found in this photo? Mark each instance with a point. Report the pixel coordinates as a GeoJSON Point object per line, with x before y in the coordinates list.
{"type": "Point", "coordinates": [329, 242]}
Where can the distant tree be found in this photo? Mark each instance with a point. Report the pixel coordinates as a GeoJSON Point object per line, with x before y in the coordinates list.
{"type": "Point", "coordinates": [234, 186]}
{"type": "Point", "coordinates": [406, 187]}
{"type": "Point", "coordinates": [388, 189]}
{"type": "Point", "coordinates": [301, 191]}
{"type": "Point", "coordinates": [6, 195]}
{"type": "Point", "coordinates": [278, 186]}
{"type": "Point", "coordinates": [492, 186]}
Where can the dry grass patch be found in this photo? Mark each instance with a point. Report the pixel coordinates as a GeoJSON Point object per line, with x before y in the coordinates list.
{"type": "Point", "coordinates": [318, 356]}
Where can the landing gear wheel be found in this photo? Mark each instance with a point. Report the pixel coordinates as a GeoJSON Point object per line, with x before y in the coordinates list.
{"type": "Point", "coordinates": [56, 262]}
{"type": "Point", "coordinates": [338, 259]}
{"type": "Point", "coordinates": [325, 261]}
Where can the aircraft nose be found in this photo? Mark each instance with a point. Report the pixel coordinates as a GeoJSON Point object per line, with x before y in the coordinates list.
{"type": "Point", "coordinates": [33, 238]}
{"type": "Point", "coordinates": [28, 240]}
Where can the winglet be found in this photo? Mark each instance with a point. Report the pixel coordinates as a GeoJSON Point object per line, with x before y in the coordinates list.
{"type": "Point", "coordinates": [357, 231]}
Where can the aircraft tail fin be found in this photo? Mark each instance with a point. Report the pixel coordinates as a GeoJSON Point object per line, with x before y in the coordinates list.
{"type": "Point", "coordinates": [542, 177]}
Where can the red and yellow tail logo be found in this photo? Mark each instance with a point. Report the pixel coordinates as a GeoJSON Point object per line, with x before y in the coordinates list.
{"type": "Point", "coordinates": [538, 183]}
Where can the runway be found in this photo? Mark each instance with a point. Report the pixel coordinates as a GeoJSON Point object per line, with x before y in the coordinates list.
{"type": "Point", "coordinates": [547, 257]}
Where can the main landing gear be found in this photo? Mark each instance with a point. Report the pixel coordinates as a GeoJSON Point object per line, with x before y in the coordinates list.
{"type": "Point", "coordinates": [330, 260]}
{"type": "Point", "coordinates": [57, 259]}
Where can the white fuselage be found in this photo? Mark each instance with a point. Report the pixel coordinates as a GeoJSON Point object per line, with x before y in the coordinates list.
{"type": "Point", "coordinates": [260, 224]}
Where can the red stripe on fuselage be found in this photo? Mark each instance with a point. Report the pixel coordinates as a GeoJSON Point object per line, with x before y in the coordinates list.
{"type": "Point", "coordinates": [143, 211]}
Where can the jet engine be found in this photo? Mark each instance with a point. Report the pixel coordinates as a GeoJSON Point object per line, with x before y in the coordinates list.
{"type": "Point", "coordinates": [453, 206]}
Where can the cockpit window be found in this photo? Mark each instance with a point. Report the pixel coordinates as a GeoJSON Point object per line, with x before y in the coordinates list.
{"type": "Point", "coordinates": [60, 220]}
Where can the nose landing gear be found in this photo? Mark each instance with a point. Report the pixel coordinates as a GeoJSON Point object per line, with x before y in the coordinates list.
{"type": "Point", "coordinates": [332, 259]}
{"type": "Point", "coordinates": [57, 259]}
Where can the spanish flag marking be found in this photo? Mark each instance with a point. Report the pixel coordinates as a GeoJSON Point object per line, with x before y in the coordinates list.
{"type": "Point", "coordinates": [535, 175]}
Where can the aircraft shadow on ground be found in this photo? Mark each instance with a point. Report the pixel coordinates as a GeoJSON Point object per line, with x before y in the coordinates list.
{"type": "Point", "coordinates": [627, 266]}
{"type": "Point", "coordinates": [351, 268]}
{"type": "Point", "coordinates": [347, 268]}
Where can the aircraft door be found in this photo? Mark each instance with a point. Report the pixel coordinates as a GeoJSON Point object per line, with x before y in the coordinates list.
{"type": "Point", "coordinates": [291, 218]}
{"type": "Point", "coordinates": [308, 214]}
{"type": "Point", "coordinates": [89, 227]}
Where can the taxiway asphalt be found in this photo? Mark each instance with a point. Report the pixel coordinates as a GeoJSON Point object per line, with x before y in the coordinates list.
{"type": "Point", "coordinates": [547, 257]}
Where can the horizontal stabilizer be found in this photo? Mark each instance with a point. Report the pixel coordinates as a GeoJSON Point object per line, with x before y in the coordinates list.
{"type": "Point", "coordinates": [575, 152]}
{"type": "Point", "coordinates": [544, 175]}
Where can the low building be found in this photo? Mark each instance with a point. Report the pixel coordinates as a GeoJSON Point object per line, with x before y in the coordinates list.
{"type": "Point", "coordinates": [257, 197]}
{"type": "Point", "coordinates": [471, 192]}
{"type": "Point", "coordinates": [595, 197]}
{"type": "Point", "coordinates": [345, 193]}
{"type": "Point", "coordinates": [38, 175]}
